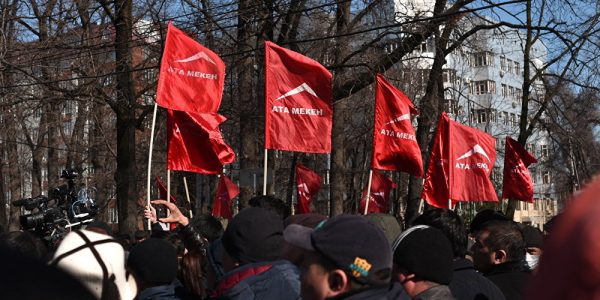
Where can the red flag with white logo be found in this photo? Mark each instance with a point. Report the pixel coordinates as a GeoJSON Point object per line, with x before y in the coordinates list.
{"type": "Point", "coordinates": [471, 157]}
{"type": "Point", "coordinates": [308, 184]}
{"type": "Point", "coordinates": [435, 188]}
{"type": "Point", "coordinates": [298, 102]}
{"type": "Point", "coordinates": [517, 183]}
{"type": "Point", "coordinates": [226, 191]}
{"type": "Point", "coordinates": [191, 76]}
{"type": "Point", "coordinates": [379, 199]}
{"type": "Point", "coordinates": [196, 143]}
{"type": "Point", "coordinates": [394, 144]}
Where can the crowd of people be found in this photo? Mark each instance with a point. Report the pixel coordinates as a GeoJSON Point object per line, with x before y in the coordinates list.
{"type": "Point", "coordinates": [265, 253]}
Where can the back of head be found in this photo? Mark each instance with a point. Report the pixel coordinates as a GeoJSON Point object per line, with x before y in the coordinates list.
{"type": "Point", "coordinates": [254, 235]}
{"type": "Point", "coordinates": [387, 223]}
{"type": "Point", "coordinates": [25, 243]}
{"type": "Point", "coordinates": [99, 227]}
{"type": "Point", "coordinates": [449, 223]}
{"type": "Point", "coordinates": [484, 216]}
{"type": "Point", "coordinates": [98, 261]}
{"type": "Point", "coordinates": [153, 262]}
{"type": "Point", "coordinates": [271, 203]}
{"type": "Point", "coordinates": [27, 278]}
{"type": "Point", "coordinates": [208, 226]}
{"type": "Point", "coordinates": [425, 252]}
{"type": "Point", "coordinates": [507, 236]}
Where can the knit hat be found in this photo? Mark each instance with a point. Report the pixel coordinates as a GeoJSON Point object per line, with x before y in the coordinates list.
{"type": "Point", "coordinates": [532, 236]}
{"type": "Point", "coordinates": [309, 220]}
{"type": "Point", "coordinates": [254, 235]}
{"type": "Point", "coordinates": [387, 223]}
{"type": "Point", "coordinates": [154, 261]}
{"type": "Point", "coordinates": [351, 242]}
{"type": "Point", "coordinates": [426, 252]}
{"type": "Point", "coordinates": [98, 261]}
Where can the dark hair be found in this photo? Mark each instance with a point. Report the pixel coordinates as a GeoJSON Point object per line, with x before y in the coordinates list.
{"type": "Point", "coordinates": [449, 223]}
{"type": "Point", "coordinates": [208, 226]}
{"type": "Point", "coordinates": [271, 203]}
{"type": "Point", "coordinates": [483, 217]}
{"type": "Point", "coordinates": [25, 243]}
{"type": "Point", "coordinates": [505, 235]}
{"type": "Point", "coordinates": [193, 275]}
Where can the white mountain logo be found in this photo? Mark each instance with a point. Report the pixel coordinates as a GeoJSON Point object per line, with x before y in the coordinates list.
{"type": "Point", "coordinates": [398, 119]}
{"type": "Point", "coordinates": [476, 149]}
{"type": "Point", "coordinates": [197, 56]}
{"type": "Point", "coordinates": [301, 88]}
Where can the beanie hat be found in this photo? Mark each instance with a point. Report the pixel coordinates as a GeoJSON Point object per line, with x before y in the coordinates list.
{"type": "Point", "coordinates": [98, 261]}
{"type": "Point", "coordinates": [532, 236]}
{"type": "Point", "coordinates": [387, 223]}
{"type": "Point", "coordinates": [154, 261]}
{"type": "Point", "coordinates": [254, 235]}
{"type": "Point", "coordinates": [426, 252]}
{"type": "Point", "coordinates": [351, 242]}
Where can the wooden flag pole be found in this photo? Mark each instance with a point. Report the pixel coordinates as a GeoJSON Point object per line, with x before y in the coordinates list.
{"type": "Point", "coordinates": [368, 192]}
{"type": "Point", "coordinates": [187, 195]}
{"type": "Point", "coordinates": [450, 204]}
{"type": "Point", "coordinates": [150, 160]}
{"type": "Point", "coordinates": [265, 174]}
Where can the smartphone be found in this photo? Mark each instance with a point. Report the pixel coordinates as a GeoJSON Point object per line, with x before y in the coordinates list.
{"type": "Point", "coordinates": [161, 211]}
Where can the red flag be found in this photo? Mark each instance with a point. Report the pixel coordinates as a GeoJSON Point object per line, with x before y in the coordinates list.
{"type": "Point", "coordinates": [226, 191]}
{"type": "Point", "coordinates": [472, 154]}
{"type": "Point", "coordinates": [196, 143]}
{"type": "Point", "coordinates": [435, 188]}
{"type": "Point", "coordinates": [191, 76]}
{"type": "Point", "coordinates": [460, 165]}
{"type": "Point", "coordinates": [379, 199]}
{"type": "Point", "coordinates": [517, 183]}
{"type": "Point", "coordinates": [394, 144]}
{"type": "Point", "coordinates": [298, 102]}
{"type": "Point", "coordinates": [308, 185]}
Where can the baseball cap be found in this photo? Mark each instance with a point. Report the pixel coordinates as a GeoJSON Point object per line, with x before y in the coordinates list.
{"type": "Point", "coordinates": [351, 242]}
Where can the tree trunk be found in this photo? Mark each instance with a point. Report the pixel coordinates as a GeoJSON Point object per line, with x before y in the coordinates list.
{"type": "Point", "coordinates": [127, 172]}
{"type": "Point", "coordinates": [338, 160]}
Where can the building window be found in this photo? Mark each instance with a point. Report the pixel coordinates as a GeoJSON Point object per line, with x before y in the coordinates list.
{"type": "Point", "coordinates": [506, 118]}
{"type": "Point", "coordinates": [546, 177]}
{"type": "Point", "coordinates": [544, 151]}
{"type": "Point", "coordinates": [517, 68]}
{"type": "Point", "coordinates": [482, 59]}
{"type": "Point", "coordinates": [449, 76]}
{"type": "Point", "coordinates": [452, 106]}
{"type": "Point", "coordinates": [504, 90]}
{"type": "Point", "coordinates": [483, 87]}
{"type": "Point", "coordinates": [503, 64]}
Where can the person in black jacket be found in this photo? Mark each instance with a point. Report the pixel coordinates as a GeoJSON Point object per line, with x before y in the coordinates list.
{"type": "Point", "coordinates": [499, 252]}
{"type": "Point", "coordinates": [466, 284]}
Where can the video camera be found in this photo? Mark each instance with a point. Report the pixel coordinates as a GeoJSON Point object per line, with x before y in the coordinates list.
{"type": "Point", "coordinates": [65, 207]}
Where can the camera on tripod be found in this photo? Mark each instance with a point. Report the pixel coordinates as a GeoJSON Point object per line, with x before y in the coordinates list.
{"type": "Point", "coordinates": [64, 208]}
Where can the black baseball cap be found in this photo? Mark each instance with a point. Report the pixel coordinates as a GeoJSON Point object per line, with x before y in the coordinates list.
{"type": "Point", "coordinates": [351, 242]}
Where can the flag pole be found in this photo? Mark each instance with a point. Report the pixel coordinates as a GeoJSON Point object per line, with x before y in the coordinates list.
{"type": "Point", "coordinates": [449, 203]}
{"type": "Point", "coordinates": [168, 187]}
{"type": "Point", "coordinates": [265, 174]}
{"type": "Point", "coordinates": [368, 192]}
{"type": "Point", "coordinates": [187, 195]}
{"type": "Point", "coordinates": [150, 159]}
